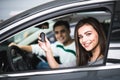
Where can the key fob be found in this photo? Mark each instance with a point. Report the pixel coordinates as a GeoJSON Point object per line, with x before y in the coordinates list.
{"type": "Point", "coordinates": [42, 36]}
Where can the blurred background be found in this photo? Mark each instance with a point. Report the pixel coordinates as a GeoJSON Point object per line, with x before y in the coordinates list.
{"type": "Point", "coordinates": [9, 8]}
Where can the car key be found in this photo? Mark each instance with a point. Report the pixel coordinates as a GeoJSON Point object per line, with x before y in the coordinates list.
{"type": "Point", "coordinates": [42, 36]}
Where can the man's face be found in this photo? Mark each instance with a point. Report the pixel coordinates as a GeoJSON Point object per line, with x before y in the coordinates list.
{"type": "Point", "coordinates": [62, 34]}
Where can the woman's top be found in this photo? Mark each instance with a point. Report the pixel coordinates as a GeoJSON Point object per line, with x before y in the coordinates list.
{"type": "Point", "coordinates": [96, 62]}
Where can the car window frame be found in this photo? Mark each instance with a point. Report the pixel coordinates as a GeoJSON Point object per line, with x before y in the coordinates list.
{"type": "Point", "coordinates": [58, 13]}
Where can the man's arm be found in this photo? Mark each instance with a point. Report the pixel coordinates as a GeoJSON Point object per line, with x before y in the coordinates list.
{"type": "Point", "coordinates": [26, 48]}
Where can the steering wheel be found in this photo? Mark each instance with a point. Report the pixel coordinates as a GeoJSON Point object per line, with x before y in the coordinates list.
{"type": "Point", "coordinates": [18, 59]}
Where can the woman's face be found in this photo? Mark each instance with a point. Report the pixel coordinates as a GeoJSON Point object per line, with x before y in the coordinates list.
{"type": "Point", "coordinates": [88, 37]}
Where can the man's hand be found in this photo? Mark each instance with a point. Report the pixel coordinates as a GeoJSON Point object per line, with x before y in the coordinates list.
{"type": "Point", "coordinates": [12, 44]}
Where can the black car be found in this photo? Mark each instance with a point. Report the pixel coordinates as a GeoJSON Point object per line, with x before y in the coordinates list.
{"type": "Point", "coordinates": [24, 28]}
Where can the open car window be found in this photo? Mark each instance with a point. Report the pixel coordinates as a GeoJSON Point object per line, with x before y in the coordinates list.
{"type": "Point", "coordinates": [30, 35]}
{"type": "Point", "coordinates": [26, 30]}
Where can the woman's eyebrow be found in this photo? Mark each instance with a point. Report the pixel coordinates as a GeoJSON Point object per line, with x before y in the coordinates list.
{"type": "Point", "coordinates": [87, 31]}
{"type": "Point", "coordinates": [84, 33]}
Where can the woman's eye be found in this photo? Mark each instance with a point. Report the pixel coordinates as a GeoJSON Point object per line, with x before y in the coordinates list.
{"type": "Point", "coordinates": [88, 34]}
{"type": "Point", "coordinates": [79, 37]}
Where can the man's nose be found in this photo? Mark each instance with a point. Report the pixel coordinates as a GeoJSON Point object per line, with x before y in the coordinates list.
{"type": "Point", "coordinates": [60, 34]}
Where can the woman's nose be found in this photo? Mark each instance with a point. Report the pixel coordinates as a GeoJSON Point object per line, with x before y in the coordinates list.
{"type": "Point", "coordinates": [84, 39]}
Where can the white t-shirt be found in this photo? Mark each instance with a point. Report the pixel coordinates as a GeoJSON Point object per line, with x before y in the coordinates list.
{"type": "Point", "coordinates": [67, 54]}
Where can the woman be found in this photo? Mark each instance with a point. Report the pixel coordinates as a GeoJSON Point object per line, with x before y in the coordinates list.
{"type": "Point", "coordinates": [90, 42]}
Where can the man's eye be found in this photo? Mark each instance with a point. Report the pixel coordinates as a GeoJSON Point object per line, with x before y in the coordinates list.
{"type": "Point", "coordinates": [56, 32]}
{"type": "Point", "coordinates": [63, 31]}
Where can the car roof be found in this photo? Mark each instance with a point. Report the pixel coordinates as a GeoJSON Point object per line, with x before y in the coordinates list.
{"type": "Point", "coordinates": [47, 6]}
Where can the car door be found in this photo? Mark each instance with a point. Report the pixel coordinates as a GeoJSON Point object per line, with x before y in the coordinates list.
{"type": "Point", "coordinates": [114, 48]}
{"type": "Point", "coordinates": [72, 11]}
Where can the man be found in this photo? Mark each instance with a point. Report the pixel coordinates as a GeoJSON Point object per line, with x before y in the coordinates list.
{"type": "Point", "coordinates": [64, 47]}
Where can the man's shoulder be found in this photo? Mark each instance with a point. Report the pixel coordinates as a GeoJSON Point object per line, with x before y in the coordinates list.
{"type": "Point", "coordinates": [57, 43]}
{"type": "Point", "coordinates": [72, 44]}
{"type": "Point", "coordinates": [54, 45]}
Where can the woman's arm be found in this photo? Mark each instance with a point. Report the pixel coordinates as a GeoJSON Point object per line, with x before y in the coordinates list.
{"type": "Point", "coordinates": [49, 54]}
{"type": "Point", "coordinates": [51, 60]}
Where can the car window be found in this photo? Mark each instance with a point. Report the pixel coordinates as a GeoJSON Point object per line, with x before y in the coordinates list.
{"type": "Point", "coordinates": [115, 32]}
{"type": "Point", "coordinates": [30, 35]}
{"type": "Point", "coordinates": [114, 48]}
{"type": "Point", "coordinates": [24, 34]}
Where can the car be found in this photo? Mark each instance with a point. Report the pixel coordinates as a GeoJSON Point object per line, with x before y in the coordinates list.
{"type": "Point", "coordinates": [24, 29]}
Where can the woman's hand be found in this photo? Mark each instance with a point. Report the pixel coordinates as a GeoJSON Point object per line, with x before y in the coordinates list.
{"type": "Point", "coordinates": [48, 51]}
{"type": "Point", "coordinates": [44, 45]}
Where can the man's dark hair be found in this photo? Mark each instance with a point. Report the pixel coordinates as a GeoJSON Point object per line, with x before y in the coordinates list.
{"type": "Point", "coordinates": [61, 23]}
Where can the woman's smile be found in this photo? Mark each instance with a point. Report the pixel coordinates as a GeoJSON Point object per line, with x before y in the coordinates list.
{"type": "Point", "coordinates": [88, 37]}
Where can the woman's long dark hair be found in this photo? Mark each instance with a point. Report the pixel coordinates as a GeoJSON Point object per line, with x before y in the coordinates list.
{"type": "Point", "coordinates": [82, 55]}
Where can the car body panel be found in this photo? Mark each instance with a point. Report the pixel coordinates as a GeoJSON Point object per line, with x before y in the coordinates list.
{"type": "Point", "coordinates": [57, 8]}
